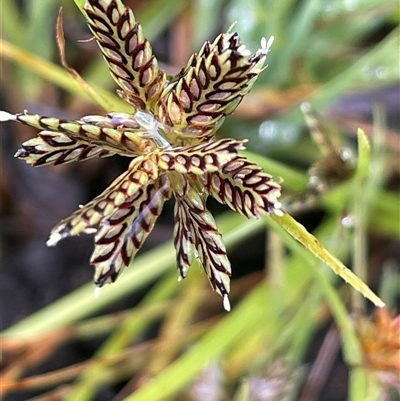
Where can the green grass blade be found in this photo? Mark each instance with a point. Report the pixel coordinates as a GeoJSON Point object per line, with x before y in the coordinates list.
{"type": "Point", "coordinates": [93, 377]}
{"type": "Point", "coordinates": [329, 229]}
{"type": "Point", "coordinates": [212, 345]}
{"type": "Point", "coordinates": [12, 23]}
{"type": "Point", "coordinates": [300, 28]}
{"type": "Point", "coordinates": [82, 302]}
{"type": "Point", "coordinates": [378, 67]}
{"type": "Point", "coordinates": [314, 246]}
{"type": "Point", "coordinates": [58, 76]}
{"type": "Point", "coordinates": [364, 155]}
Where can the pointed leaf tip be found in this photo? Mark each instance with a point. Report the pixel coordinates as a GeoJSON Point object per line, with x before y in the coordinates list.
{"type": "Point", "coordinates": [4, 116]}
{"type": "Point", "coordinates": [227, 304]}
{"type": "Point", "coordinates": [53, 240]}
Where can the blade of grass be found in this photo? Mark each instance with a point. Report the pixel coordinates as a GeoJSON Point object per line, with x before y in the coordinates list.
{"type": "Point", "coordinates": [364, 156]}
{"type": "Point", "coordinates": [12, 22]}
{"type": "Point", "coordinates": [314, 246]}
{"type": "Point", "coordinates": [364, 386]}
{"type": "Point", "coordinates": [290, 328]}
{"type": "Point", "coordinates": [299, 29]}
{"type": "Point", "coordinates": [40, 24]}
{"type": "Point", "coordinates": [213, 344]}
{"type": "Point", "coordinates": [176, 320]}
{"type": "Point", "coordinates": [389, 287]}
{"type": "Point", "coordinates": [82, 303]}
{"type": "Point", "coordinates": [300, 329]}
{"type": "Point", "coordinates": [379, 66]}
{"type": "Point", "coordinates": [58, 76]}
{"type": "Point", "coordinates": [370, 174]}
{"type": "Point", "coordinates": [329, 229]}
{"type": "Point", "coordinates": [80, 4]}
{"type": "Point", "coordinates": [92, 378]}
{"type": "Point", "coordinates": [359, 210]}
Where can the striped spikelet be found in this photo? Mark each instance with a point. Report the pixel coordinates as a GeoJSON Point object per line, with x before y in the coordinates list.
{"type": "Point", "coordinates": [210, 87]}
{"type": "Point", "coordinates": [170, 137]}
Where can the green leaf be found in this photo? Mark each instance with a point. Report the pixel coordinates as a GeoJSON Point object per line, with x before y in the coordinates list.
{"type": "Point", "coordinates": [364, 155]}
{"type": "Point", "coordinates": [213, 344]}
{"type": "Point", "coordinates": [58, 76]}
{"type": "Point", "coordinates": [313, 245]}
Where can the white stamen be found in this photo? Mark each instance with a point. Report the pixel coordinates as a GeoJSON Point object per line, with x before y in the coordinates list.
{"type": "Point", "coordinates": [4, 116]}
{"type": "Point", "coordinates": [227, 304]}
{"type": "Point", "coordinates": [265, 46]}
{"type": "Point", "coordinates": [97, 291]}
{"type": "Point", "coordinates": [53, 239]}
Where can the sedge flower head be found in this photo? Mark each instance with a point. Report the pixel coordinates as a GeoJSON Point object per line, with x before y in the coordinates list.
{"type": "Point", "coordinates": [170, 137]}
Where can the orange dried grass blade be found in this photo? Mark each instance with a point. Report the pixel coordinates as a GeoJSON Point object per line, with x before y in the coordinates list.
{"type": "Point", "coordinates": [100, 100]}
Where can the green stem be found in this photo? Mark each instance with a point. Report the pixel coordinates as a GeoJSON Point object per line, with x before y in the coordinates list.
{"type": "Point", "coordinates": [313, 245]}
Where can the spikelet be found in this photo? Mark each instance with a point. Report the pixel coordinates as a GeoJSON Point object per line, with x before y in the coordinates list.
{"type": "Point", "coordinates": [210, 87]}
{"type": "Point", "coordinates": [125, 231]}
{"type": "Point", "coordinates": [198, 228]}
{"type": "Point", "coordinates": [54, 148]}
{"type": "Point", "coordinates": [244, 187]}
{"type": "Point", "coordinates": [110, 133]}
{"type": "Point", "coordinates": [198, 159]}
{"type": "Point", "coordinates": [128, 54]}
{"type": "Point", "coordinates": [122, 191]}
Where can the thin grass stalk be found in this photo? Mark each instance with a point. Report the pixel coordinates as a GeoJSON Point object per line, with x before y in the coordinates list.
{"type": "Point", "coordinates": [214, 343]}
{"type": "Point", "coordinates": [91, 379]}
{"type": "Point", "coordinates": [359, 211]}
{"type": "Point", "coordinates": [351, 346]}
{"type": "Point", "coordinates": [383, 55]}
{"type": "Point", "coordinates": [311, 243]}
{"type": "Point", "coordinates": [57, 75]}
